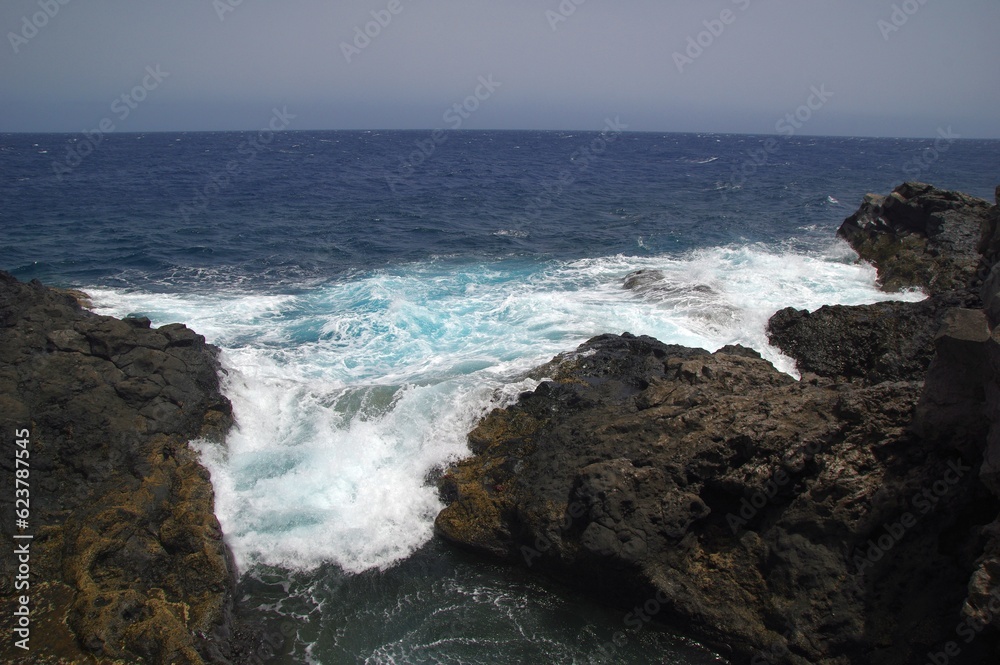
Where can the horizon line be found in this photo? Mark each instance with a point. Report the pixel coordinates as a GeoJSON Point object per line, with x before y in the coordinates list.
{"type": "Point", "coordinates": [473, 131]}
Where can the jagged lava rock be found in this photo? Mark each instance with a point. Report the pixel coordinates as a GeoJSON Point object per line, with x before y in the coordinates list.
{"type": "Point", "coordinates": [989, 247]}
{"type": "Point", "coordinates": [127, 562]}
{"type": "Point", "coordinates": [851, 517]}
{"type": "Point", "coordinates": [952, 407]}
{"type": "Point", "coordinates": [738, 498]}
{"type": "Point", "coordinates": [889, 341]}
{"type": "Point", "coordinates": [920, 236]}
{"type": "Point", "coordinates": [917, 237]}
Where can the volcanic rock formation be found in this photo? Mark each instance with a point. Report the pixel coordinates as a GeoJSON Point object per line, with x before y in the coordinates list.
{"type": "Point", "coordinates": [849, 517]}
{"type": "Point", "coordinates": [127, 561]}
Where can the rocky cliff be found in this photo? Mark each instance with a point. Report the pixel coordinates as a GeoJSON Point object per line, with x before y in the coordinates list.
{"type": "Point", "coordinates": [850, 517]}
{"type": "Point", "coordinates": [921, 236]}
{"type": "Point", "coordinates": [127, 562]}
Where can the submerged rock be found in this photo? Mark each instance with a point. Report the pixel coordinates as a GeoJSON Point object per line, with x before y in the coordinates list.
{"type": "Point", "coordinates": [698, 301]}
{"type": "Point", "coordinates": [641, 279]}
{"type": "Point", "coordinates": [127, 559]}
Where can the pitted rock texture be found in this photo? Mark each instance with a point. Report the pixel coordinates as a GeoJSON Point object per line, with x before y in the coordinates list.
{"type": "Point", "coordinates": [127, 561]}
{"type": "Point", "coordinates": [850, 517]}
{"type": "Point", "coordinates": [921, 237]}
{"type": "Point", "coordinates": [743, 500]}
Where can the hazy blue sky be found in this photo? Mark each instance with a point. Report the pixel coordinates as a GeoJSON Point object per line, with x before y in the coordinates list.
{"type": "Point", "coordinates": [939, 69]}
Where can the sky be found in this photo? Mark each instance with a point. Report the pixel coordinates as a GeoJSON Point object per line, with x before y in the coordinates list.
{"type": "Point", "coordinates": [826, 67]}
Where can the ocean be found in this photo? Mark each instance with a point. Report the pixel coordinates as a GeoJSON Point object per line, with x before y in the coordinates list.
{"type": "Point", "coordinates": [375, 293]}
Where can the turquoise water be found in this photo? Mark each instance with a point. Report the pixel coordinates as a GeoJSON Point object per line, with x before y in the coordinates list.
{"type": "Point", "coordinates": [366, 328]}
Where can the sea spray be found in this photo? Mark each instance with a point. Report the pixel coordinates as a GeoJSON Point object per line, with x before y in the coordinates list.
{"type": "Point", "coordinates": [348, 394]}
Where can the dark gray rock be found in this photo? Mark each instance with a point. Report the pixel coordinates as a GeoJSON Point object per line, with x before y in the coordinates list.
{"type": "Point", "coordinates": [920, 236]}
{"type": "Point", "coordinates": [128, 562]}
{"type": "Point", "coordinates": [952, 408]}
{"type": "Point", "coordinates": [851, 517]}
{"type": "Point", "coordinates": [990, 295]}
{"type": "Point", "coordinates": [642, 279]}
{"type": "Point", "coordinates": [989, 247]}
{"type": "Point", "coordinates": [741, 500]}
{"type": "Point", "coordinates": [889, 341]}
{"type": "Point", "coordinates": [991, 463]}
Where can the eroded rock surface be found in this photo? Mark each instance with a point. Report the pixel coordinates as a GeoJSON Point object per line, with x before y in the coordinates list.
{"type": "Point", "coordinates": [743, 499]}
{"type": "Point", "coordinates": [851, 517]}
{"type": "Point", "coordinates": [921, 237]}
{"type": "Point", "coordinates": [127, 561]}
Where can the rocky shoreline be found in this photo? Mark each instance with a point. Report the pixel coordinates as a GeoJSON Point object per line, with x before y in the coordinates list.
{"type": "Point", "coordinates": [127, 561]}
{"type": "Point", "coordinates": [850, 517]}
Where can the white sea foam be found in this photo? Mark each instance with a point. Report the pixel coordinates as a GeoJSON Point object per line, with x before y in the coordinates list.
{"type": "Point", "coordinates": [348, 394]}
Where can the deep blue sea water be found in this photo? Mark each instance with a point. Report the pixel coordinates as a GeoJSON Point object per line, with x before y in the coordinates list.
{"type": "Point", "coordinates": [373, 301]}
